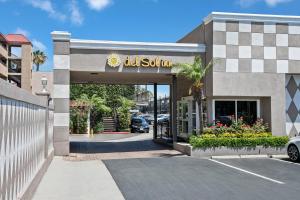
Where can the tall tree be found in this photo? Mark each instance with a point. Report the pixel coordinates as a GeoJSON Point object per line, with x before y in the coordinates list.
{"type": "Point", "coordinates": [123, 111]}
{"type": "Point", "coordinates": [195, 72]}
{"type": "Point", "coordinates": [39, 58]}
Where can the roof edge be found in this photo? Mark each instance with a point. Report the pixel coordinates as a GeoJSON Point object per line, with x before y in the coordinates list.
{"type": "Point", "coordinates": [61, 35]}
{"type": "Point", "coordinates": [252, 17]}
{"type": "Point", "coordinates": [140, 46]}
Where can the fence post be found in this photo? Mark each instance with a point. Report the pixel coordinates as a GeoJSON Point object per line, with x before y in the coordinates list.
{"type": "Point", "coordinates": [47, 128]}
{"type": "Point", "coordinates": [46, 95]}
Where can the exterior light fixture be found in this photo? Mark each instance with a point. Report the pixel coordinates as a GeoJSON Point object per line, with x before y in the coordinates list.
{"type": "Point", "coordinates": [44, 82]}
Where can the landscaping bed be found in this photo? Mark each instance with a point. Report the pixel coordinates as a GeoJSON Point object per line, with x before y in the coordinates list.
{"type": "Point", "coordinates": [237, 139]}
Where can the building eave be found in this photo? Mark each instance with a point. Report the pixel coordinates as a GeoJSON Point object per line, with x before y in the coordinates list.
{"type": "Point", "coordinates": [61, 35]}
{"type": "Point", "coordinates": [214, 16]}
{"type": "Point", "coordinates": [137, 46]}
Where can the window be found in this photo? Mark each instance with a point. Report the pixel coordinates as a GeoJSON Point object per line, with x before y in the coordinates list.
{"type": "Point", "coordinates": [225, 111]}
{"type": "Point", "coordinates": [14, 66]}
{"type": "Point", "coordinates": [247, 110]}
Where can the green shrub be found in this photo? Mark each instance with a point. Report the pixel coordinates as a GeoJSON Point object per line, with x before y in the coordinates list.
{"type": "Point", "coordinates": [99, 127]}
{"type": "Point", "coordinates": [208, 142]}
{"type": "Point", "coordinates": [208, 131]}
{"type": "Point", "coordinates": [78, 121]}
{"type": "Point", "coordinates": [123, 112]}
{"type": "Point", "coordinates": [259, 126]}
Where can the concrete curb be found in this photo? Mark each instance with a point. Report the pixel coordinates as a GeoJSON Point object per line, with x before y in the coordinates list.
{"type": "Point", "coordinates": [240, 156]}
{"type": "Point", "coordinates": [245, 152]}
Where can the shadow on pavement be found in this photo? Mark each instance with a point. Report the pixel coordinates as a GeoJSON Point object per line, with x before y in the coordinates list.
{"type": "Point", "coordinates": [114, 147]}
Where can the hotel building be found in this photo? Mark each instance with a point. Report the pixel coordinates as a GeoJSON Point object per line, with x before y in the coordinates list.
{"type": "Point", "coordinates": [16, 60]}
{"type": "Point", "coordinates": [255, 73]}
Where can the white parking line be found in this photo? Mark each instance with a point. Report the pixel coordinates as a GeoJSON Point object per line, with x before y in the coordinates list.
{"type": "Point", "coordinates": [285, 161]}
{"type": "Point", "coordinates": [247, 172]}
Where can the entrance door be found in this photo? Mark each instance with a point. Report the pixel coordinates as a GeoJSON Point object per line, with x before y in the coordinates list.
{"type": "Point", "coordinates": [183, 118]}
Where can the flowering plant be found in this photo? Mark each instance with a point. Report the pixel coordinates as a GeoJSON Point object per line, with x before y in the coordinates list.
{"type": "Point", "coordinates": [237, 127]}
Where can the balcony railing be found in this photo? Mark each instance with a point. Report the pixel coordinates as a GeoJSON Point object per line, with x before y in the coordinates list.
{"type": "Point", "coordinates": [13, 56]}
{"type": "Point", "coordinates": [3, 51]}
{"type": "Point", "coordinates": [3, 69]}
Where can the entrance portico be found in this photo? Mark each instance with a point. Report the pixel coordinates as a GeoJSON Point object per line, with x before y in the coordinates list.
{"type": "Point", "coordinates": [110, 62]}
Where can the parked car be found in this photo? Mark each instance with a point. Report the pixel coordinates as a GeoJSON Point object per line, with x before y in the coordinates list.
{"type": "Point", "coordinates": [148, 118]}
{"type": "Point", "coordinates": [293, 148]}
{"type": "Point", "coordinates": [165, 118]}
{"type": "Point", "coordinates": [139, 125]}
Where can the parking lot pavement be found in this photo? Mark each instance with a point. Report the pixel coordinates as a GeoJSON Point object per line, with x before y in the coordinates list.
{"type": "Point", "coordinates": [281, 170]}
{"type": "Point", "coordinates": [192, 178]}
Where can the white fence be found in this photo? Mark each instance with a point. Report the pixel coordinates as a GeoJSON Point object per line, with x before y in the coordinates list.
{"type": "Point", "coordinates": [23, 140]}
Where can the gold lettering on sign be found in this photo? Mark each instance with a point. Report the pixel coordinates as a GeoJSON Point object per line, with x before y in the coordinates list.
{"type": "Point", "coordinates": [166, 63]}
{"type": "Point", "coordinates": [127, 62]}
{"type": "Point", "coordinates": [145, 62]}
{"type": "Point", "coordinates": [137, 61]}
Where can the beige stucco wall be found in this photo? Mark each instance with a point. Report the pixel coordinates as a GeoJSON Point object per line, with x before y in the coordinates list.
{"type": "Point", "coordinates": [96, 61]}
{"type": "Point", "coordinates": [203, 34]}
{"type": "Point", "coordinates": [256, 85]}
{"type": "Point", "coordinates": [26, 66]}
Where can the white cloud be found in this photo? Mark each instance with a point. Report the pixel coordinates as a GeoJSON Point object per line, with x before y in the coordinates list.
{"type": "Point", "coordinates": [270, 3]}
{"type": "Point", "coordinates": [98, 4]}
{"type": "Point", "coordinates": [76, 16]}
{"type": "Point", "coordinates": [38, 45]}
{"type": "Point", "coordinates": [47, 6]}
{"type": "Point", "coordinates": [274, 3]}
{"type": "Point", "coordinates": [246, 3]}
{"type": "Point", "coordinates": [22, 31]}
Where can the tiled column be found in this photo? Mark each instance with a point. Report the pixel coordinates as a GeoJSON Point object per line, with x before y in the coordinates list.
{"type": "Point", "coordinates": [61, 91]}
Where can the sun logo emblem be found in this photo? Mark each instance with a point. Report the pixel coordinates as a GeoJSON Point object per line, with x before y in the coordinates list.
{"type": "Point", "coordinates": [113, 60]}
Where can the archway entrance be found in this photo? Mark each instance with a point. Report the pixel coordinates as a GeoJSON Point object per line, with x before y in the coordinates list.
{"type": "Point", "coordinates": [108, 62]}
{"type": "Point", "coordinates": [115, 140]}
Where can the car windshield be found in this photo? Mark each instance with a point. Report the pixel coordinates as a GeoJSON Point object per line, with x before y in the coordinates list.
{"type": "Point", "coordinates": [138, 121]}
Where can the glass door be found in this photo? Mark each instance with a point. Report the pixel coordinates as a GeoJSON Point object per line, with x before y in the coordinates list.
{"type": "Point", "coordinates": [183, 119]}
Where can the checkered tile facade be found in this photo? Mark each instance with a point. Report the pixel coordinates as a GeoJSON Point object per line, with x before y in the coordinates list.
{"type": "Point", "coordinates": [256, 47]}
{"type": "Point", "coordinates": [292, 104]}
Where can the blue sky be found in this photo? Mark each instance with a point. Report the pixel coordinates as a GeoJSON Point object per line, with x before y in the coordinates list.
{"type": "Point", "coordinates": [130, 20]}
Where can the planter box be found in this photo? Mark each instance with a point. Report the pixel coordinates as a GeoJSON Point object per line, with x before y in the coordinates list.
{"type": "Point", "coordinates": [227, 151]}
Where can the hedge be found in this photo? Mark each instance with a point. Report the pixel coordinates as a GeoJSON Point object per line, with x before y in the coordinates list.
{"type": "Point", "coordinates": [269, 141]}
{"type": "Point", "coordinates": [237, 135]}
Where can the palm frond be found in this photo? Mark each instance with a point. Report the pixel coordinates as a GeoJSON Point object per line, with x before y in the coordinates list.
{"type": "Point", "coordinates": [195, 71]}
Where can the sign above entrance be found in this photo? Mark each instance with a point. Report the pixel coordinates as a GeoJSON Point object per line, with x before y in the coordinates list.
{"type": "Point", "coordinates": [114, 60]}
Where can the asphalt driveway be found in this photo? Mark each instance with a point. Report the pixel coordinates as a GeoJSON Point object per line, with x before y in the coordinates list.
{"type": "Point", "coordinates": [192, 178]}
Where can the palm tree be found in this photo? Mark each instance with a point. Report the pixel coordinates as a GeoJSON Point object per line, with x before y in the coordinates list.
{"type": "Point", "coordinates": [39, 58]}
{"type": "Point", "coordinates": [95, 106]}
{"type": "Point", "coordinates": [195, 72]}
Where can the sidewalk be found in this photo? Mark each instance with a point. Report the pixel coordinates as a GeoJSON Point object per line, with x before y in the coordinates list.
{"type": "Point", "coordinates": [77, 181]}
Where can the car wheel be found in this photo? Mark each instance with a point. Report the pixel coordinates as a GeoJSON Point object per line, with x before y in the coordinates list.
{"type": "Point", "coordinates": [293, 152]}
